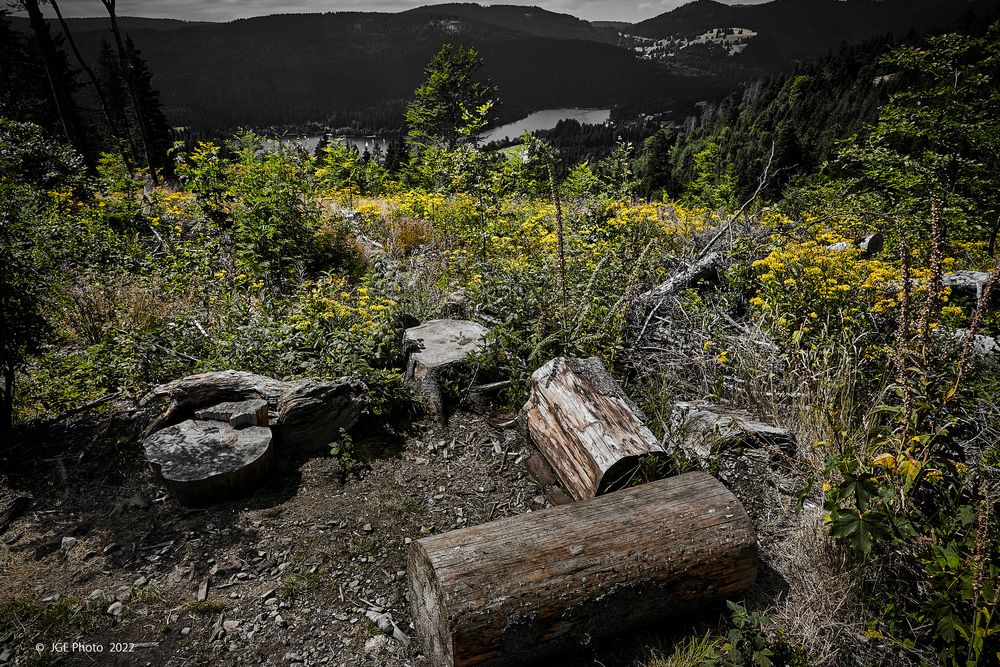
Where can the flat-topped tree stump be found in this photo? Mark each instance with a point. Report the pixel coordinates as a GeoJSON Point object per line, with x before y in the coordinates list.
{"type": "Point", "coordinates": [439, 345]}
{"type": "Point", "coordinates": [203, 462]}
{"type": "Point", "coordinates": [537, 584]}
{"type": "Point", "coordinates": [590, 433]}
{"type": "Point", "coordinates": [306, 413]}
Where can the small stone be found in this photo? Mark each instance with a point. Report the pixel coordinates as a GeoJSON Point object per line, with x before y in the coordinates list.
{"type": "Point", "coordinates": [185, 631]}
{"type": "Point", "coordinates": [384, 624]}
{"type": "Point", "coordinates": [280, 621]}
{"type": "Point", "coordinates": [68, 543]}
{"type": "Point", "coordinates": [376, 645]}
{"type": "Point", "coordinates": [230, 625]}
{"type": "Point", "coordinates": [116, 609]}
{"type": "Point", "coordinates": [96, 593]}
{"type": "Point", "coordinates": [367, 528]}
{"type": "Point", "coordinates": [108, 549]}
{"type": "Point", "coordinates": [141, 581]}
{"type": "Point", "coordinates": [293, 657]}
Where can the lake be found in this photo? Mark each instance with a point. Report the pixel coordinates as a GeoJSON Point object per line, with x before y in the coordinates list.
{"type": "Point", "coordinates": [545, 120]}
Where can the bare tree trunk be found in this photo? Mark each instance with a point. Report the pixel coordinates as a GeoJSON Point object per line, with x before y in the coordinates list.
{"type": "Point", "coordinates": [7, 399]}
{"type": "Point", "coordinates": [101, 97]}
{"type": "Point", "coordinates": [60, 93]}
{"type": "Point", "coordinates": [126, 66]}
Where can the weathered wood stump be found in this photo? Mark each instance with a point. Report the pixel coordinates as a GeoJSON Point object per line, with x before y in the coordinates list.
{"type": "Point", "coordinates": [237, 414]}
{"type": "Point", "coordinates": [590, 433]}
{"type": "Point", "coordinates": [970, 285]}
{"type": "Point", "coordinates": [704, 429]}
{"type": "Point", "coordinates": [202, 462]}
{"type": "Point", "coordinates": [307, 413]}
{"type": "Point", "coordinates": [525, 587]}
{"type": "Point", "coordinates": [439, 345]}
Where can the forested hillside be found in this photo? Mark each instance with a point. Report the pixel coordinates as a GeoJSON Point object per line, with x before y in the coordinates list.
{"type": "Point", "coordinates": [357, 69]}
{"type": "Point", "coordinates": [792, 292]}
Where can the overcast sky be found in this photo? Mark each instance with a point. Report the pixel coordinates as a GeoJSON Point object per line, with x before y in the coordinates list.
{"type": "Point", "coordinates": [225, 10]}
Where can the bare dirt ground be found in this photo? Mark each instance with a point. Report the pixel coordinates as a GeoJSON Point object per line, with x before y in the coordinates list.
{"type": "Point", "coordinates": [105, 557]}
{"type": "Point", "coordinates": [106, 568]}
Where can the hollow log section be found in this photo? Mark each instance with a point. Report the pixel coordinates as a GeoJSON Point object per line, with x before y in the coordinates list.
{"type": "Point", "coordinates": [528, 586]}
{"type": "Point", "coordinates": [586, 428]}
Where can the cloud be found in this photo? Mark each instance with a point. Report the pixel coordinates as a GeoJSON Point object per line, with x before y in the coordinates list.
{"type": "Point", "coordinates": [227, 10]}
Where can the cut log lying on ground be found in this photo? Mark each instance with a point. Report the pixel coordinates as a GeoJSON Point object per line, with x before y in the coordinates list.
{"type": "Point", "coordinates": [202, 462]}
{"type": "Point", "coordinates": [584, 425]}
{"type": "Point", "coordinates": [522, 588]}
{"type": "Point", "coordinates": [701, 430]}
{"type": "Point", "coordinates": [308, 413]}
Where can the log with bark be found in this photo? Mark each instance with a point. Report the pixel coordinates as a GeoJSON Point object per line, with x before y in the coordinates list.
{"type": "Point", "coordinates": [529, 586]}
{"type": "Point", "coordinates": [591, 434]}
{"type": "Point", "coordinates": [704, 430]}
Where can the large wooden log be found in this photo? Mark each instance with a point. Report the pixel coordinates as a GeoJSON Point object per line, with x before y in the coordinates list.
{"type": "Point", "coordinates": [592, 435]}
{"type": "Point", "coordinates": [533, 585]}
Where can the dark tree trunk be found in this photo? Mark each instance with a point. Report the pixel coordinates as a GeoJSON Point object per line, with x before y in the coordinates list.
{"type": "Point", "coordinates": [61, 95]}
{"type": "Point", "coordinates": [98, 89]}
{"type": "Point", "coordinates": [126, 68]}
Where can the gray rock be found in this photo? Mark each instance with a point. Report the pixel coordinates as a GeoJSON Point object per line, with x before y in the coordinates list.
{"type": "Point", "coordinates": [280, 621]}
{"type": "Point", "coordinates": [116, 609]}
{"type": "Point", "coordinates": [377, 645]}
{"type": "Point", "coordinates": [68, 543]}
{"type": "Point", "coordinates": [185, 631]}
{"type": "Point", "coordinates": [841, 246]}
{"type": "Point", "coordinates": [983, 347]}
{"type": "Point", "coordinates": [872, 245]}
{"type": "Point", "coordinates": [205, 462]}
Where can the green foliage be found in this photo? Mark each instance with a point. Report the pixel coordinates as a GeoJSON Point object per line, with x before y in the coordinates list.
{"type": "Point", "coordinates": [939, 136]}
{"type": "Point", "coordinates": [32, 168]}
{"type": "Point", "coordinates": [450, 107]}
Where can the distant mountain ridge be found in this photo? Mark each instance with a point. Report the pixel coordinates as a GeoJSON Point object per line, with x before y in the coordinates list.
{"type": "Point", "coordinates": [361, 67]}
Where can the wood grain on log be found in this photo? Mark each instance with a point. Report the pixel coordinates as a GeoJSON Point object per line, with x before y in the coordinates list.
{"type": "Point", "coordinates": [588, 430]}
{"type": "Point", "coordinates": [205, 461]}
{"type": "Point", "coordinates": [528, 586]}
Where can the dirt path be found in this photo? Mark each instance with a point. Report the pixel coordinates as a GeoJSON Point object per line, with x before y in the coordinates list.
{"type": "Point", "coordinates": [105, 558]}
